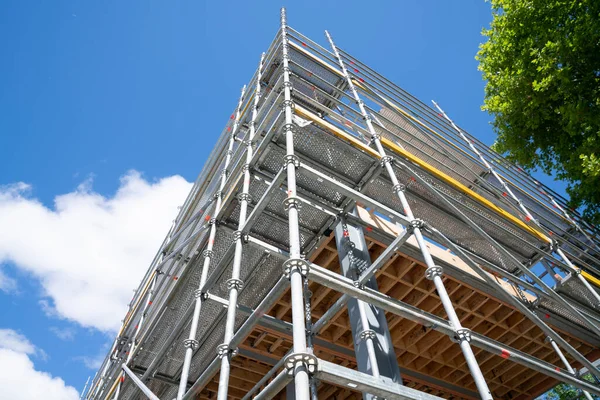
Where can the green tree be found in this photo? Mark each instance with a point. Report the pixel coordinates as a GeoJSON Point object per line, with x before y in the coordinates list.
{"type": "Point", "coordinates": [541, 62]}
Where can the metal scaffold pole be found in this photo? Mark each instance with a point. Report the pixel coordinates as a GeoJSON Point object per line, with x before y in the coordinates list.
{"type": "Point", "coordinates": [433, 272]}
{"type": "Point", "coordinates": [138, 327]}
{"type": "Point", "coordinates": [566, 363]}
{"type": "Point", "coordinates": [235, 284]}
{"type": "Point", "coordinates": [528, 216]}
{"type": "Point", "coordinates": [295, 267]}
{"type": "Point", "coordinates": [191, 343]}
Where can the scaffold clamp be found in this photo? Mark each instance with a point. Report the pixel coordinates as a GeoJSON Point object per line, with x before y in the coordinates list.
{"type": "Point", "coordinates": [386, 159]}
{"type": "Point", "coordinates": [236, 284]}
{"type": "Point", "coordinates": [417, 223]}
{"type": "Point", "coordinates": [463, 334]}
{"type": "Point", "coordinates": [199, 294]}
{"type": "Point", "coordinates": [225, 350]}
{"type": "Point", "coordinates": [434, 271]}
{"type": "Point", "coordinates": [191, 344]}
{"type": "Point", "coordinates": [291, 159]}
{"type": "Point", "coordinates": [399, 187]}
{"type": "Point", "coordinates": [309, 361]}
{"type": "Point", "coordinates": [368, 334]}
{"type": "Point", "coordinates": [292, 202]}
{"type": "Point", "coordinates": [295, 264]}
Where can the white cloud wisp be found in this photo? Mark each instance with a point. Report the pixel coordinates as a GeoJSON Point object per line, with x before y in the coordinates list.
{"type": "Point", "coordinates": [89, 251]}
{"type": "Point", "coordinates": [19, 379]}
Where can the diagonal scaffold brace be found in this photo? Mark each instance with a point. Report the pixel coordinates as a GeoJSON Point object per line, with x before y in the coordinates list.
{"type": "Point", "coordinates": [191, 343]}
{"type": "Point", "coordinates": [434, 272]}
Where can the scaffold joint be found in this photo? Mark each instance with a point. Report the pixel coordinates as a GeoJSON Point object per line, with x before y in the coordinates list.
{"type": "Point", "coordinates": [386, 159]}
{"type": "Point", "coordinates": [292, 202]}
{"type": "Point", "coordinates": [245, 197]}
{"type": "Point", "coordinates": [463, 334]}
{"type": "Point", "coordinates": [288, 103]}
{"type": "Point", "coordinates": [225, 350]}
{"type": "Point", "coordinates": [199, 294]}
{"type": "Point", "coordinates": [295, 264]}
{"type": "Point", "coordinates": [236, 284]}
{"type": "Point", "coordinates": [191, 344]}
{"type": "Point", "coordinates": [417, 223]}
{"type": "Point", "coordinates": [434, 271]}
{"type": "Point", "coordinates": [208, 253]}
{"type": "Point", "coordinates": [288, 84]}
{"type": "Point", "coordinates": [306, 360]}
{"type": "Point", "coordinates": [291, 159]}
{"type": "Point", "coordinates": [368, 334]}
{"type": "Point", "coordinates": [399, 187]}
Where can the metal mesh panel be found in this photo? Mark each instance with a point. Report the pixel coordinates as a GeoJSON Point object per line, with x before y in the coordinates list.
{"type": "Point", "coordinates": [315, 69]}
{"type": "Point", "coordinates": [419, 143]}
{"type": "Point", "coordinates": [572, 287]}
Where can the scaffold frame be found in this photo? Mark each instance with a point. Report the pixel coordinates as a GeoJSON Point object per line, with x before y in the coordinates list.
{"type": "Point", "coordinates": [319, 140]}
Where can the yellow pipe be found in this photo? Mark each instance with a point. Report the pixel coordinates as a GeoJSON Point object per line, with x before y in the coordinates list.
{"type": "Point", "coordinates": [343, 135]}
{"type": "Point", "coordinates": [317, 59]}
{"type": "Point", "coordinates": [429, 168]}
{"type": "Point", "coordinates": [591, 278]}
{"type": "Point", "coordinates": [113, 387]}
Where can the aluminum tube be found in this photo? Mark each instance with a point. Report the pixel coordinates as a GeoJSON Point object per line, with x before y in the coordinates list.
{"type": "Point", "coordinates": [275, 386]}
{"type": "Point", "coordinates": [265, 378]}
{"type": "Point", "coordinates": [296, 280]}
{"type": "Point", "coordinates": [191, 343]}
{"type": "Point", "coordinates": [139, 383]}
{"type": "Point", "coordinates": [480, 382]}
{"type": "Point", "coordinates": [511, 300]}
{"type": "Point", "coordinates": [330, 313]}
{"type": "Point", "coordinates": [577, 271]}
{"type": "Point", "coordinates": [566, 363]}
{"type": "Point", "coordinates": [494, 284]}
{"type": "Point", "coordinates": [364, 276]}
{"type": "Point", "coordinates": [341, 284]}
{"type": "Point", "coordinates": [212, 278]}
{"type": "Point", "coordinates": [234, 284]}
{"type": "Point", "coordinates": [382, 387]}
{"type": "Point", "coordinates": [268, 301]}
{"type": "Point", "coordinates": [521, 205]}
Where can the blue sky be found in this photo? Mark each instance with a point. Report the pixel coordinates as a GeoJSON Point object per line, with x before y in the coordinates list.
{"type": "Point", "coordinates": [92, 91]}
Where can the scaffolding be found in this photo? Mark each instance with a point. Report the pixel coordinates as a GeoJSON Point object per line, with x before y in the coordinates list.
{"type": "Point", "coordinates": [345, 240]}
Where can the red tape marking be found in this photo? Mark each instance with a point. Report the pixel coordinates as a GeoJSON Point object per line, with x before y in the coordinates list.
{"type": "Point", "coordinates": [504, 354]}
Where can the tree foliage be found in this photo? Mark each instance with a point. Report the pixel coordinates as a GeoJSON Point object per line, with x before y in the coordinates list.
{"type": "Point", "coordinates": [542, 66]}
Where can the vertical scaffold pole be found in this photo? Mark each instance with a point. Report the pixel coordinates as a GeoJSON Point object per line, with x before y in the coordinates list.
{"type": "Point", "coordinates": [295, 267]}
{"type": "Point", "coordinates": [235, 284]}
{"type": "Point", "coordinates": [138, 327]}
{"type": "Point", "coordinates": [528, 216]}
{"type": "Point", "coordinates": [191, 343]}
{"type": "Point", "coordinates": [433, 271]}
{"type": "Point", "coordinates": [566, 362]}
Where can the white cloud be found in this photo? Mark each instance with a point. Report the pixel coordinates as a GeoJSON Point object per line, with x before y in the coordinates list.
{"type": "Point", "coordinates": [18, 377]}
{"type": "Point", "coordinates": [89, 251]}
{"type": "Point", "coordinates": [11, 340]}
{"type": "Point", "coordinates": [67, 334]}
{"type": "Point", "coordinates": [7, 284]}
